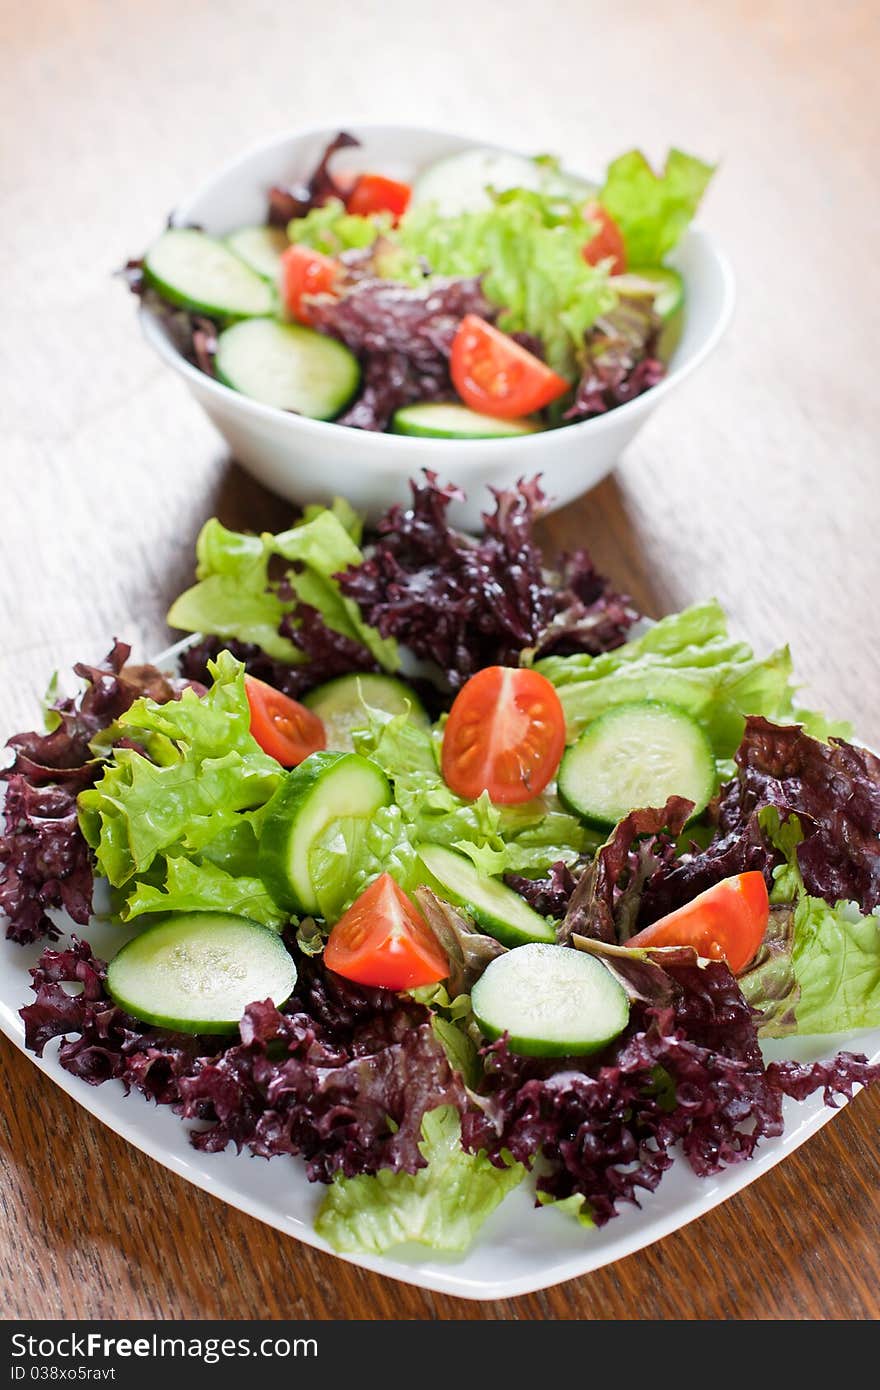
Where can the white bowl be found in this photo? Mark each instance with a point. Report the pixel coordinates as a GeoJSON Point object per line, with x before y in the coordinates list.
{"type": "Point", "coordinates": [313, 461]}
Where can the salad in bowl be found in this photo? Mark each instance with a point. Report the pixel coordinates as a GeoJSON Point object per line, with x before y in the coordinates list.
{"type": "Point", "coordinates": [438, 868]}
{"type": "Point", "coordinates": [492, 297]}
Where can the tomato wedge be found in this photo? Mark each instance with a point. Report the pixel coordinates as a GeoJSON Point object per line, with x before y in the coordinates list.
{"type": "Point", "coordinates": [727, 922]}
{"type": "Point", "coordinates": [374, 193]}
{"type": "Point", "coordinates": [607, 244]}
{"type": "Point", "coordinates": [495, 376]}
{"type": "Point", "coordinates": [384, 940]}
{"type": "Point", "coordinates": [283, 728]}
{"type": "Point", "coordinates": [505, 735]}
{"type": "Point", "coordinates": [304, 272]}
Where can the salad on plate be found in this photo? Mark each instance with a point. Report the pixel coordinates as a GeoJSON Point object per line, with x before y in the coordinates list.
{"type": "Point", "coordinates": [495, 296]}
{"type": "Point", "coordinates": [438, 867]}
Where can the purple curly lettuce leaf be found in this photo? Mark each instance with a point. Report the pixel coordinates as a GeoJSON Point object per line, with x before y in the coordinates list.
{"type": "Point", "coordinates": [621, 358]}
{"type": "Point", "coordinates": [44, 860]}
{"type": "Point", "coordinates": [606, 902]}
{"type": "Point", "coordinates": [341, 1076]}
{"type": "Point", "coordinates": [690, 1074]}
{"type": "Point", "coordinates": [468, 951]}
{"type": "Point", "coordinates": [550, 894]}
{"type": "Point", "coordinates": [590, 616]}
{"type": "Point", "coordinates": [464, 602]}
{"type": "Point", "coordinates": [402, 335]}
{"type": "Point", "coordinates": [295, 200]}
{"type": "Point", "coordinates": [834, 790]}
{"type": "Point", "coordinates": [389, 381]}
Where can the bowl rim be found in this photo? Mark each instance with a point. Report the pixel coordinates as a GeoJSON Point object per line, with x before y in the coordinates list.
{"type": "Point", "coordinates": [404, 447]}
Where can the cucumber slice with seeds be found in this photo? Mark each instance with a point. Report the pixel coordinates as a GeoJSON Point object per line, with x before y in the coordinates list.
{"type": "Point", "coordinates": [260, 248]}
{"type": "Point", "coordinates": [329, 798]}
{"type": "Point", "coordinates": [493, 906]}
{"type": "Point", "coordinates": [196, 972]}
{"type": "Point", "coordinates": [666, 285]}
{"type": "Point", "coordinates": [288, 366]}
{"type": "Point", "coordinates": [189, 268]}
{"type": "Point", "coordinates": [442, 420]}
{"type": "Point", "coordinates": [637, 754]}
{"type": "Point", "coordinates": [340, 705]}
{"type": "Point", "coordinates": [551, 1001]}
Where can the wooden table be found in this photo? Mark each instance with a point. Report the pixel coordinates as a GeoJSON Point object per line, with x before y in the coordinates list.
{"type": "Point", "coordinates": [758, 483]}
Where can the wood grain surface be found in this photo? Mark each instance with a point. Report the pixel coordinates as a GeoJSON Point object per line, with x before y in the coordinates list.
{"type": "Point", "coordinates": [757, 482]}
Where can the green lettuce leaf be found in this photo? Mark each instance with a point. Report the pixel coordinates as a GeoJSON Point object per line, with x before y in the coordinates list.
{"type": "Point", "coordinates": [820, 969]}
{"type": "Point", "coordinates": [836, 958]}
{"type": "Point", "coordinates": [653, 210]}
{"type": "Point", "coordinates": [528, 247]}
{"type": "Point", "coordinates": [687, 659]}
{"type": "Point", "coordinates": [331, 230]}
{"type": "Point", "coordinates": [175, 827]}
{"type": "Point", "coordinates": [203, 770]}
{"type": "Point", "coordinates": [576, 1207]}
{"type": "Point", "coordinates": [442, 1206]}
{"type": "Point", "coordinates": [235, 597]}
{"type": "Point", "coordinates": [191, 886]}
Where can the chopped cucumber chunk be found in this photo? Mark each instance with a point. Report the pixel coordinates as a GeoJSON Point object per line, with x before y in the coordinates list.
{"type": "Point", "coordinates": [313, 828]}
{"type": "Point", "coordinates": [443, 420]}
{"type": "Point", "coordinates": [260, 248]}
{"type": "Point", "coordinates": [190, 268]}
{"type": "Point", "coordinates": [666, 284]}
{"type": "Point", "coordinates": [551, 1001]}
{"type": "Point", "coordinates": [495, 907]}
{"type": "Point", "coordinates": [340, 704]}
{"type": "Point", "coordinates": [196, 972]}
{"type": "Point", "coordinates": [288, 366]}
{"type": "Point", "coordinates": [635, 755]}
{"type": "Point", "coordinates": [461, 182]}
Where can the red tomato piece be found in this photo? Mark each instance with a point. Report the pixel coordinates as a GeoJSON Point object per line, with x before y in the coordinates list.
{"type": "Point", "coordinates": [305, 272]}
{"type": "Point", "coordinates": [505, 735]}
{"type": "Point", "coordinates": [607, 244]}
{"type": "Point", "coordinates": [374, 193]}
{"type": "Point", "coordinates": [727, 922]}
{"type": "Point", "coordinates": [283, 728]}
{"type": "Point", "coordinates": [383, 940]}
{"type": "Point", "coordinates": [496, 376]}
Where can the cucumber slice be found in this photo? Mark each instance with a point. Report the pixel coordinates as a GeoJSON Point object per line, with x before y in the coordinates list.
{"type": "Point", "coordinates": [192, 269]}
{"type": "Point", "coordinates": [260, 248]}
{"type": "Point", "coordinates": [552, 1001]}
{"type": "Point", "coordinates": [493, 906]}
{"type": "Point", "coordinates": [330, 794]}
{"type": "Point", "coordinates": [340, 705]}
{"type": "Point", "coordinates": [668, 288]}
{"type": "Point", "coordinates": [459, 182]}
{"type": "Point", "coordinates": [286, 365]}
{"type": "Point", "coordinates": [666, 284]}
{"type": "Point", "coordinates": [638, 754]}
{"type": "Point", "coordinates": [447, 421]}
{"type": "Point", "coordinates": [196, 972]}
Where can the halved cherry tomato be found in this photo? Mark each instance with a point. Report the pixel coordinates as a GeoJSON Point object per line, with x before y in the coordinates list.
{"type": "Point", "coordinates": [505, 735]}
{"type": "Point", "coordinates": [283, 728]}
{"type": "Point", "coordinates": [375, 193]}
{"type": "Point", "coordinates": [727, 922]}
{"type": "Point", "coordinates": [384, 940]}
{"type": "Point", "coordinates": [607, 244]}
{"type": "Point", "coordinates": [495, 376]}
{"type": "Point", "coordinates": [303, 272]}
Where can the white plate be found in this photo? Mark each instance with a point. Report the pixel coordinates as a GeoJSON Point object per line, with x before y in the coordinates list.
{"type": "Point", "coordinates": [521, 1248]}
